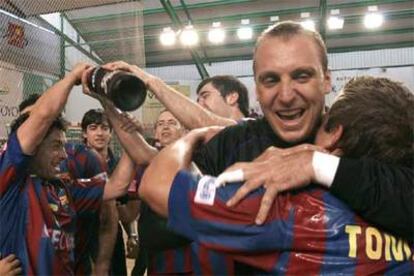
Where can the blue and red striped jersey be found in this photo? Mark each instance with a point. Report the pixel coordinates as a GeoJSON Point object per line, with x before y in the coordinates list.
{"type": "Point", "coordinates": [38, 221]}
{"type": "Point", "coordinates": [307, 231]}
{"type": "Point", "coordinates": [83, 162]}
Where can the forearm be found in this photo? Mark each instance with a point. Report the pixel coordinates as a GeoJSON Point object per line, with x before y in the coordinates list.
{"type": "Point", "coordinates": [189, 113]}
{"type": "Point", "coordinates": [136, 146]}
{"type": "Point", "coordinates": [118, 183]}
{"type": "Point", "coordinates": [43, 113]}
{"type": "Point", "coordinates": [107, 237]}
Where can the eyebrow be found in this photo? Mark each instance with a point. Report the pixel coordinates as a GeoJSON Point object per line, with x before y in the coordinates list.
{"type": "Point", "coordinates": [266, 74]}
{"type": "Point", "coordinates": [309, 70]}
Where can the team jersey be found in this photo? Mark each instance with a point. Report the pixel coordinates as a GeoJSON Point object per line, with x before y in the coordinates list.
{"type": "Point", "coordinates": [38, 220]}
{"type": "Point", "coordinates": [81, 163]}
{"type": "Point", "coordinates": [307, 231]}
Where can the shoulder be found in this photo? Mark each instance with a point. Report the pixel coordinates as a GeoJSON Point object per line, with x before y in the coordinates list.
{"type": "Point", "coordinates": [247, 132]}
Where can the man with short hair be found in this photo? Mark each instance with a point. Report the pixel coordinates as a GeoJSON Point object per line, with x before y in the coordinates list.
{"type": "Point", "coordinates": [40, 232]}
{"type": "Point", "coordinates": [223, 113]}
{"type": "Point", "coordinates": [224, 96]}
{"type": "Point", "coordinates": [308, 231]}
{"type": "Point", "coordinates": [108, 250]}
{"type": "Point", "coordinates": [292, 79]}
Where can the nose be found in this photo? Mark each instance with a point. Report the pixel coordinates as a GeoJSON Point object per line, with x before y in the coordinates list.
{"type": "Point", "coordinates": [286, 93]}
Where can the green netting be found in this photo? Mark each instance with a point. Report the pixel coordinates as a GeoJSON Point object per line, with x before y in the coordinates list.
{"type": "Point", "coordinates": [40, 41]}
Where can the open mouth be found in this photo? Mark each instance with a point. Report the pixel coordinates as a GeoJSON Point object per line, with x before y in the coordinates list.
{"type": "Point", "coordinates": [290, 115]}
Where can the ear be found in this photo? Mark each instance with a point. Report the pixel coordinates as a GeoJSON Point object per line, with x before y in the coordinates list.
{"type": "Point", "coordinates": [335, 136]}
{"type": "Point", "coordinates": [327, 82]}
{"type": "Point", "coordinates": [231, 99]}
{"type": "Point", "coordinates": [84, 134]}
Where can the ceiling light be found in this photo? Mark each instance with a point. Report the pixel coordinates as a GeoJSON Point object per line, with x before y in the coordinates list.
{"type": "Point", "coordinates": [167, 37]}
{"type": "Point", "coordinates": [307, 23]}
{"type": "Point", "coordinates": [189, 36]}
{"type": "Point", "coordinates": [245, 32]}
{"type": "Point", "coordinates": [373, 19]}
{"type": "Point", "coordinates": [216, 34]}
{"type": "Point", "coordinates": [335, 22]}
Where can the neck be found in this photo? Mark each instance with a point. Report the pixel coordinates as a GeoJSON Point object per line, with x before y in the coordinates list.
{"type": "Point", "coordinates": [236, 115]}
{"type": "Point", "coordinates": [103, 153]}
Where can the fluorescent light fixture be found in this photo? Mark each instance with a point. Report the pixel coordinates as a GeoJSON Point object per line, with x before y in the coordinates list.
{"type": "Point", "coordinates": [274, 18]}
{"type": "Point", "coordinates": [167, 37]}
{"type": "Point", "coordinates": [335, 22]}
{"type": "Point", "coordinates": [307, 23]}
{"type": "Point", "coordinates": [245, 32]}
{"type": "Point", "coordinates": [216, 35]}
{"type": "Point", "coordinates": [189, 36]}
{"type": "Point", "coordinates": [373, 19]}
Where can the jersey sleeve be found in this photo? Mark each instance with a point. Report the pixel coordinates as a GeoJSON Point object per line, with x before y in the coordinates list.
{"type": "Point", "coordinates": [221, 228]}
{"type": "Point", "coordinates": [13, 164]}
{"type": "Point", "coordinates": [81, 162]}
{"type": "Point", "coordinates": [87, 193]}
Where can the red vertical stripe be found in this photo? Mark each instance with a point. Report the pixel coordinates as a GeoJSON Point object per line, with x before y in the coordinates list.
{"type": "Point", "coordinates": [307, 225]}
{"type": "Point", "coordinates": [34, 229]}
{"type": "Point", "coordinates": [204, 260]}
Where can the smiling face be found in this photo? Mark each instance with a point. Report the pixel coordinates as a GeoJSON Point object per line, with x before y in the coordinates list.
{"type": "Point", "coordinates": [291, 85]}
{"type": "Point", "coordinates": [167, 129]}
{"type": "Point", "coordinates": [98, 136]}
{"type": "Point", "coordinates": [50, 154]}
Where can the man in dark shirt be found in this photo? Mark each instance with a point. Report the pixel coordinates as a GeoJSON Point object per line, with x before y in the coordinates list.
{"type": "Point", "coordinates": [292, 79]}
{"type": "Point", "coordinates": [308, 231]}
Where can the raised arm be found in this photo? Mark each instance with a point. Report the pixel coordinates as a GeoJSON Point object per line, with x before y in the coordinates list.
{"type": "Point", "coordinates": [118, 183]}
{"type": "Point", "coordinates": [189, 113]}
{"type": "Point", "coordinates": [155, 186]}
{"type": "Point", "coordinates": [46, 109]}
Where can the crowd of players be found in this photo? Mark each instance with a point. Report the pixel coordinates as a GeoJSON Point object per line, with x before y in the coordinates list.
{"type": "Point", "coordinates": [299, 191]}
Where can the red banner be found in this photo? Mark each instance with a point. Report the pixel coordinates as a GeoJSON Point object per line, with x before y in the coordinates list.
{"type": "Point", "coordinates": [15, 35]}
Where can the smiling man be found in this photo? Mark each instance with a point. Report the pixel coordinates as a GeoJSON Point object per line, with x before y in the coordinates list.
{"type": "Point", "coordinates": [308, 231]}
{"type": "Point", "coordinates": [39, 207]}
{"type": "Point", "coordinates": [292, 78]}
{"type": "Point", "coordinates": [167, 129]}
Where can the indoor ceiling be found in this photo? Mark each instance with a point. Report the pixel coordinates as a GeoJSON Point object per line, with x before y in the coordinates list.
{"type": "Point", "coordinates": [122, 29]}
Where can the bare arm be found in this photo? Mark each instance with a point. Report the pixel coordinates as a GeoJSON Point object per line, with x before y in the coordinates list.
{"type": "Point", "coordinates": [108, 229]}
{"type": "Point", "coordinates": [133, 142]}
{"type": "Point", "coordinates": [189, 113]}
{"type": "Point", "coordinates": [118, 183]}
{"type": "Point", "coordinates": [155, 186]}
{"type": "Point", "coordinates": [32, 132]}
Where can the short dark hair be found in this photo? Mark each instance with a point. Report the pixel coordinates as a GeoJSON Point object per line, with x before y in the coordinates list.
{"type": "Point", "coordinates": [226, 85]}
{"type": "Point", "coordinates": [59, 123]}
{"type": "Point", "coordinates": [31, 100]}
{"type": "Point", "coordinates": [289, 29]}
{"type": "Point", "coordinates": [94, 116]}
{"type": "Point", "coordinates": [377, 116]}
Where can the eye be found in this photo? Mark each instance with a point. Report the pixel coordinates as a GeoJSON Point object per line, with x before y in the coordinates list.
{"type": "Point", "coordinates": [269, 80]}
{"type": "Point", "coordinates": [302, 76]}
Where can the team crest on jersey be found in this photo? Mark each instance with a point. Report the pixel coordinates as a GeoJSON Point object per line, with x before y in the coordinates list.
{"type": "Point", "coordinates": [53, 207]}
{"type": "Point", "coordinates": [206, 190]}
